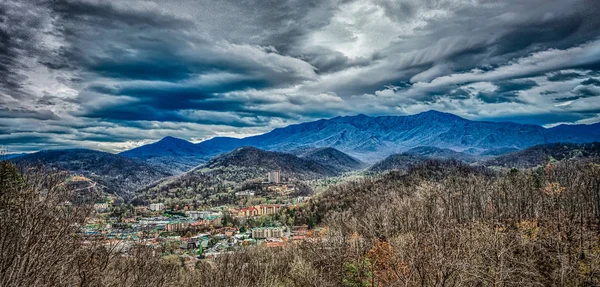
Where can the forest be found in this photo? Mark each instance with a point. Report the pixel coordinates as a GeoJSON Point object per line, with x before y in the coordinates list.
{"type": "Point", "coordinates": [440, 223]}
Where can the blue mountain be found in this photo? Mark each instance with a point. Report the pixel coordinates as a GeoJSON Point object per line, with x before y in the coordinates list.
{"type": "Point", "coordinates": [170, 153]}
{"type": "Point", "coordinates": [168, 146]}
{"type": "Point", "coordinates": [373, 138]}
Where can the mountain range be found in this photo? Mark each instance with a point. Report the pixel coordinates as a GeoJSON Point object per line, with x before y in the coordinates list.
{"type": "Point", "coordinates": [370, 139]}
{"type": "Point", "coordinates": [530, 157]}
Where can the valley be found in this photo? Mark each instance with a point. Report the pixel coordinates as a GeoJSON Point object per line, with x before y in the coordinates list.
{"type": "Point", "coordinates": [203, 210]}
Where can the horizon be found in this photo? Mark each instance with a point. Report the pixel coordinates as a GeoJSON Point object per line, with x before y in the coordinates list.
{"type": "Point", "coordinates": [113, 75]}
{"type": "Point", "coordinates": [345, 116]}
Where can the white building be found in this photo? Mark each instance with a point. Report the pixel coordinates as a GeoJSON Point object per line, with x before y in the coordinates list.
{"type": "Point", "coordinates": [157, 206]}
{"type": "Point", "coordinates": [267, 232]}
{"type": "Point", "coordinates": [101, 206]}
{"type": "Point", "coordinates": [245, 193]}
{"type": "Point", "coordinates": [203, 214]}
{"type": "Point", "coordinates": [274, 176]}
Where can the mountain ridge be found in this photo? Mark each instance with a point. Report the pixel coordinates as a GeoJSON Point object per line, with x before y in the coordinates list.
{"type": "Point", "coordinates": [117, 174]}
{"type": "Point", "coordinates": [541, 154]}
{"type": "Point", "coordinates": [244, 166]}
{"type": "Point", "coordinates": [169, 153]}
{"type": "Point", "coordinates": [252, 157]}
{"type": "Point", "coordinates": [373, 138]}
{"type": "Point", "coordinates": [332, 157]}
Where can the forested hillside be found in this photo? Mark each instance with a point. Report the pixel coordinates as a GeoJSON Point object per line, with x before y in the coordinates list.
{"type": "Point", "coordinates": [212, 182]}
{"type": "Point", "coordinates": [439, 224]}
{"type": "Point", "coordinates": [542, 154]}
{"type": "Point", "coordinates": [113, 173]}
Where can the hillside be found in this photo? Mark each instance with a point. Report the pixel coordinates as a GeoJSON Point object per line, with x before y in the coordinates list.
{"type": "Point", "coordinates": [11, 156]}
{"type": "Point", "coordinates": [401, 161]}
{"type": "Point", "coordinates": [169, 153]}
{"type": "Point", "coordinates": [442, 153]}
{"type": "Point", "coordinates": [289, 164]}
{"type": "Point", "coordinates": [114, 173]}
{"type": "Point", "coordinates": [405, 160]}
{"type": "Point", "coordinates": [332, 157]}
{"type": "Point", "coordinates": [499, 151]}
{"type": "Point", "coordinates": [370, 139]}
{"type": "Point", "coordinates": [541, 154]}
{"type": "Point", "coordinates": [214, 181]}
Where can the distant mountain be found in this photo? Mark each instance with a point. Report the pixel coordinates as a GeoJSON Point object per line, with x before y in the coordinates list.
{"type": "Point", "coordinates": [401, 161]}
{"type": "Point", "coordinates": [499, 151]}
{"type": "Point", "coordinates": [542, 154]}
{"type": "Point", "coordinates": [405, 160]}
{"type": "Point", "coordinates": [373, 138]}
{"type": "Point", "coordinates": [114, 173]}
{"type": "Point", "coordinates": [170, 154]}
{"type": "Point", "coordinates": [11, 156]}
{"type": "Point", "coordinates": [442, 153]}
{"type": "Point", "coordinates": [332, 157]}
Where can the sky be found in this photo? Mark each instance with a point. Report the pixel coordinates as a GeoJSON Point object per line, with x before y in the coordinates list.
{"type": "Point", "coordinates": [113, 75]}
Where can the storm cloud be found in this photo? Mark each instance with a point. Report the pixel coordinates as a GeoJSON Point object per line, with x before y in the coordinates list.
{"type": "Point", "coordinates": [112, 75]}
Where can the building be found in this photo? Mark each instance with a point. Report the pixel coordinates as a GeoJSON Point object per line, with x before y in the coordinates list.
{"type": "Point", "coordinates": [176, 226]}
{"type": "Point", "coordinates": [101, 206]}
{"type": "Point", "coordinates": [245, 193]}
{"type": "Point", "coordinates": [248, 212]}
{"type": "Point", "coordinates": [202, 214]}
{"type": "Point", "coordinates": [274, 176]}
{"type": "Point", "coordinates": [157, 206]}
{"type": "Point", "coordinates": [258, 210]}
{"type": "Point", "coordinates": [212, 220]}
{"type": "Point", "coordinates": [268, 209]}
{"type": "Point", "coordinates": [300, 199]}
{"type": "Point", "coordinates": [267, 232]}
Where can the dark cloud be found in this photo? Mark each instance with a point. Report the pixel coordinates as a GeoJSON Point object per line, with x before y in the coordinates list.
{"type": "Point", "coordinates": [563, 76]}
{"type": "Point", "coordinates": [43, 115]}
{"type": "Point", "coordinates": [494, 98]}
{"type": "Point", "coordinates": [591, 81]}
{"type": "Point", "coordinates": [102, 73]}
{"type": "Point", "coordinates": [19, 35]}
{"type": "Point", "coordinates": [510, 86]}
{"type": "Point", "coordinates": [460, 94]}
{"type": "Point", "coordinates": [179, 96]}
{"type": "Point", "coordinates": [506, 91]}
{"type": "Point", "coordinates": [554, 33]}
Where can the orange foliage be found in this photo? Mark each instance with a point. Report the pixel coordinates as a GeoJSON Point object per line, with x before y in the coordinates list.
{"type": "Point", "coordinates": [387, 267]}
{"type": "Point", "coordinates": [553, 188]}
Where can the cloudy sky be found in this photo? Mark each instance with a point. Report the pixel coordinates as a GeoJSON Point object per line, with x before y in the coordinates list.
{"type": "Point", "coordinates": [112, 75]}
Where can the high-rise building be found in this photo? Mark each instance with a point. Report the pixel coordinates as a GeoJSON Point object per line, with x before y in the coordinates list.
{"type": "Point", "coordinates": [274, 176]}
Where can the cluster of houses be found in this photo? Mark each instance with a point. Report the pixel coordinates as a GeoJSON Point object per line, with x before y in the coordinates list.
{"type": "Point", "coordinates": [169, 229]}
